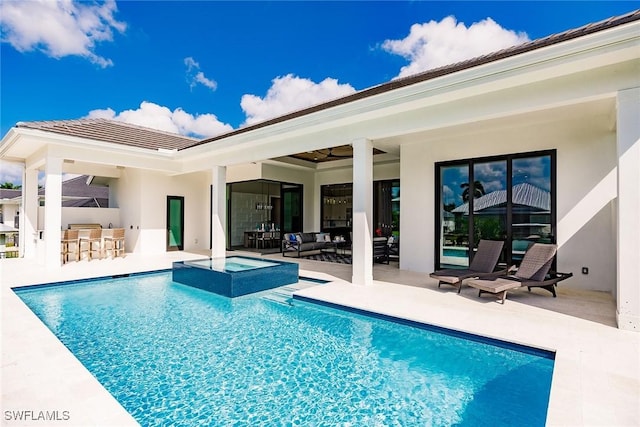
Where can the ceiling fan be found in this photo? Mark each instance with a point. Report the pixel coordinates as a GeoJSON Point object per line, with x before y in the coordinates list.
{"type": "Point", "coordinates": [341, 152]}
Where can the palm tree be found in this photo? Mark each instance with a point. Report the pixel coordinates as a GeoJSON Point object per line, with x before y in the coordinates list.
{"type": "Point", "coordinates": [478, 190]}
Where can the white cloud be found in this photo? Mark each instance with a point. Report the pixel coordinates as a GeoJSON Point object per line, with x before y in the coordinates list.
{"type": "Point", "coordinates": [10, 172]}
{"type": "Point", "coordinates": [291, 93]}
{"type": "Point", "coordinates": [195, 76]}
{"type": "Point", "coordinates": [162, 118]}
{"type": "Point", "coordinates": [434, 44]}
{"type": "Point", "coordinates": [59, 28]}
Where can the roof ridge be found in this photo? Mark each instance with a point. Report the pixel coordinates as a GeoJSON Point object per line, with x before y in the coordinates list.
{"type": "Point", "coordinates": [99, 120]}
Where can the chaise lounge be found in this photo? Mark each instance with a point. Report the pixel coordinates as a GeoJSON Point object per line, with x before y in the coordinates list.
{"type": "Point", "coordinates": [482, 265]}
{"type": "Point", "coordinates": [533, 272]}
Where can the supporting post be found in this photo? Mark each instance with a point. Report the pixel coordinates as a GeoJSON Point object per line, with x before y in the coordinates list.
{"type": "Point", "coordinates": [219, 211]}
{"type": "Point", "coordinates": [29, 214]}
{"type": "Point", "coordinates": [628, 232]}
{"type": "Point", "coordinates": [53, 211]}
{"type": "Point", "coordinates": [362, 251]}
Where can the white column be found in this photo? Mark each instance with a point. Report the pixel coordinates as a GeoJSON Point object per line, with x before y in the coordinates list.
{"type": "Point", "coordinates": [628, 145]}
{"type": "Point", "coordinates": [29, 213]}
{"type": "Point", "coordinates": [53, 211]}
{"type": "Point", "coordinates": [219, 211]}
{"type": "Point", "coordinates": [362, 251]}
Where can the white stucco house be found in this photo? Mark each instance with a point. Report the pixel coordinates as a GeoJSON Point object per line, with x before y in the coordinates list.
{"type": "Point", "coordinates": [560, 113]}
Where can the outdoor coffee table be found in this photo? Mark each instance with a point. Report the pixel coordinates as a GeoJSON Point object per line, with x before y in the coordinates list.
{"type": "Point", "coordinates": [498, 287]}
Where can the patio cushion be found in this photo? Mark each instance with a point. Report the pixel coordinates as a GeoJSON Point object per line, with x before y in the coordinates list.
{"type": "Point", "coordinates": [308, 237]}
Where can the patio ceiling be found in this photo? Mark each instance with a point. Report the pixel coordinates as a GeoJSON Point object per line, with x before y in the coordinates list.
{"type": "Point", "coordinates": [329, 154]}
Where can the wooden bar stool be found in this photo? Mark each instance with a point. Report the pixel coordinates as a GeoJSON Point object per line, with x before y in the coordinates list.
{"type": "Point", "coordinates": [70, 245]}
{"type": "Point", "coordinates": [114, 243]}
{"type": "Point", "coordinates": [93, 243]}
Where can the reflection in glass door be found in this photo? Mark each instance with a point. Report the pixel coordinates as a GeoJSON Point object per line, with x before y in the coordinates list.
{"type": "Point", "coordinates": [453, 244]}
{"type": "Point", "coordinates": [489, 189]}
{"type": "Point", "coordinates": [531, 198]}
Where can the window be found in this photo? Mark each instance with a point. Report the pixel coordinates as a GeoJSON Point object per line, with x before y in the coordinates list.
{"type": "Point", "coordinates": [509, 198]}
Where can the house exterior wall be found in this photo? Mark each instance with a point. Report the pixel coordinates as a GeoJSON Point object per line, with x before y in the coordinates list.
{"type": "Point", "coordinates": [125, 192]}
{"type": "Point", "coordinates": [586, 189]}
{"type": "Point", "coordinates": [9, 212]}
{"type": "Point", "coordinates": [70, 215]}
{"type": "Point", "coordinates": [142, 197]}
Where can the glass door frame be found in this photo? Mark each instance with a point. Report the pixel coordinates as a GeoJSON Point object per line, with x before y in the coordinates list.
{"type": "Point", "coordinates": [180, 245]}
{"type": "Point", "coordinates": [470, 162]}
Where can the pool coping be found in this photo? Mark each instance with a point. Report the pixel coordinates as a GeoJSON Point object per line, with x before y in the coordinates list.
{"type": "Point", "coordinates": [509, 345]}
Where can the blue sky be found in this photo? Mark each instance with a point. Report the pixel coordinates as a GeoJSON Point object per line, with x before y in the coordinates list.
{"type": "Point", "coordinates": [204, 68]}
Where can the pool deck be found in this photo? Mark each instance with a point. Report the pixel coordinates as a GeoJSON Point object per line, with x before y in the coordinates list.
{"type": "Point", "coordinates": [596, 379]}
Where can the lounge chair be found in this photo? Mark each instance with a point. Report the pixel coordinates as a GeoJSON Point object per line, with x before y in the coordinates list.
{"type": "Point", "coordinates": [482, 265]}
{"type": "Point", "coordinates": [533, 272]}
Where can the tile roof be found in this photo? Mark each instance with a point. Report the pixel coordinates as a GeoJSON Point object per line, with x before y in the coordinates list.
{"type": "Point", "coordinates": [447, 69]}
{"type": "Point", "coordinates": [77, 187]}
{"type": "Point", "coordinates": [6, 193]}
{"type": "Point", "coordinates": [114, 132]}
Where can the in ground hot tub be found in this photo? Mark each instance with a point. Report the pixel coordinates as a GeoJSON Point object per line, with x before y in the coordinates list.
{"type": "Point", "coordinates": [236, 275]}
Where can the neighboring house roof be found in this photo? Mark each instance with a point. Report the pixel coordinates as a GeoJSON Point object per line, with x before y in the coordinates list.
{"type": "Point", "coordinates": [6, 193]}
{"type": "Point", "coordinates": [78, 188]}
{"type": "Point", "coordinates": [114, 132]}
{"type": "Point", "coordinates": [523, 194]}
{"type": "Point", "coordinates": [75, 193]}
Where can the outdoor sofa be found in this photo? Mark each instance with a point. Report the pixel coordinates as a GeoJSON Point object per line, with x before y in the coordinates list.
{"type": "Point", "coordinates": [297, 243]}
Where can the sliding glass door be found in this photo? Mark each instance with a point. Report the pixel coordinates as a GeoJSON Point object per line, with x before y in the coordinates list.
{"type": "Point", "coordinates": [509, 198]}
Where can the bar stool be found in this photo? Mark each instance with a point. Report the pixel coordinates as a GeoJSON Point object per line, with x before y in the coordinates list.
{"type": "Point", "coordinates": [94, 238]}
{"type": "Point", "coordinates": [70, 245]}
{"type": "Point", "coordinates": [114, 243]}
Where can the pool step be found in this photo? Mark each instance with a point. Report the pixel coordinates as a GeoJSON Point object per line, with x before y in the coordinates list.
{"type": "Point", "coordinates": [278, 297]}
{"type": "Point", "coordinates": [284, 294]}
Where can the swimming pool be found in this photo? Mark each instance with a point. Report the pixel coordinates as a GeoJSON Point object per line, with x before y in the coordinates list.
{"type": "Point", "coordinates": [172, 354]}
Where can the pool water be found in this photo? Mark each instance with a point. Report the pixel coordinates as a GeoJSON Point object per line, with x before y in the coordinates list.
{"type": "Point", "coordinates": [231, 264]}
{"type": "Point", "coordinates": [176, 355]}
